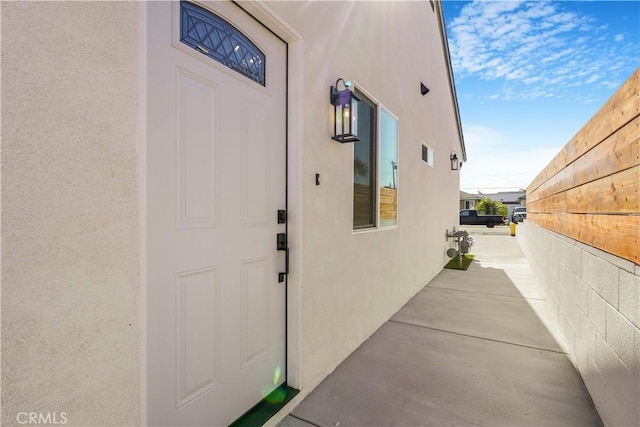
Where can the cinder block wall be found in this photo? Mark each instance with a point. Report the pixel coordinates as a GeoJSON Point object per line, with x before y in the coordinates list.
{"type": "Point", "coordinates": [582, 236]}
{"type": "Point", "coordinates": [595, 297]}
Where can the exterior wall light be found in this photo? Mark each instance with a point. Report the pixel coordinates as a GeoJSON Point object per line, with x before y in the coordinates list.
{"type": "Point", "coordinates": [345, 105]}
{"type": "Point", "coordinates": [455, 165]}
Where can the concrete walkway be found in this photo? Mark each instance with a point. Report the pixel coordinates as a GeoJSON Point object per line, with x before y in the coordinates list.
{"type": "Point", "coordinates": [475, 347]}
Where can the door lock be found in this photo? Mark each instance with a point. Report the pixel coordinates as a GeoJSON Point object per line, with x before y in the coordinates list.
{"type": "Point", "coordinates": [282, 216]}
{"type": "Point", "coordinates": [283, 245]}
{"type": "Point", "coordinates": [282, 274]}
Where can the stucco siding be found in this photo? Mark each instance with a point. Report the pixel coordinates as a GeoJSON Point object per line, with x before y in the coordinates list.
{"type": "Point", "coordinates": [352, 282]}
{"type": "Point", "coordinates": [70, 257]}
{"type": "Point", "coordinates": [70, 195]}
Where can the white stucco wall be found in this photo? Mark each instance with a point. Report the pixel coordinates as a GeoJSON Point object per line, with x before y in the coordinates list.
{"type": "Point", "coordinates": [70, 222]}
{"type": "Point", "coordinates": [70, 212]}
{"type": "Point", "coordinates": [352, 283]}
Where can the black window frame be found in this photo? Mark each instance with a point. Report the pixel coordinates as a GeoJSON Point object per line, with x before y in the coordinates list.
{"type": "Point", "coordinates": [373, 162]}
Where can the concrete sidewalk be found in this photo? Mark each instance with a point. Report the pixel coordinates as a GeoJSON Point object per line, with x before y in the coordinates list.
{"type": "Point", "coordinates": [475, 347]}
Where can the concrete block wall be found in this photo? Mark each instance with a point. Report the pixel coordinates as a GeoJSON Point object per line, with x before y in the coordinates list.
{"type": "Point", "coordinates": [595, 297]}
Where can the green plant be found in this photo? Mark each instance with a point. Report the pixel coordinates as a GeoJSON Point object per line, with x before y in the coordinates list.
{"type": "Point", "coordinates": [491, 207]}
{"type": "Point", "coordinates": [360, 167]}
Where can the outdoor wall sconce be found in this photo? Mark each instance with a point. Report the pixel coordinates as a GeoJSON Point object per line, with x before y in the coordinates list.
{"type": "Point", "coordinates": [423, 89]}
{"type": "Point", "coordinates": [455, 165]}
{"type": "Point", "coordinates": [345, 105]}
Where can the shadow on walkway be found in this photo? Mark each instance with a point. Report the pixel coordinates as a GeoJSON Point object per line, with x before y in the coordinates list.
{"type": "Point", "coordinates": [475, 347]}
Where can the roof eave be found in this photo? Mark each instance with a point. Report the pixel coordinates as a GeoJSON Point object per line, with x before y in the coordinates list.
{"type": "Point", "coordinates": [452, 85]}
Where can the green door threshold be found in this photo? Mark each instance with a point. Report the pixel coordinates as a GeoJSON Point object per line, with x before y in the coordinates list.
{"type": "Point", "coordinates": [266, 408]}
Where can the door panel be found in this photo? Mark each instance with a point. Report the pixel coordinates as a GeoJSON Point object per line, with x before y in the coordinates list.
{"type": "Point", "coordinates": [255, 313]}
{"type": "Point", "coordinates": [215, 179]}
{"type": "Point", "coordinates": [255, 166]}
{"type": "Point", "coordinates": [197, 307]}
{"type": "Point", "coordinates": [196, 143]}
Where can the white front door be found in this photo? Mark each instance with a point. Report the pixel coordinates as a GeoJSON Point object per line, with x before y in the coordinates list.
{"type": "Point", "coordinates": [216, 153]}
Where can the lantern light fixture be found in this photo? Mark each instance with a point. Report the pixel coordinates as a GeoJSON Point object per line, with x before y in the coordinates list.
{"type": "Point", "coordinates": [455, 164]}
{"type": "Point", "coordinates": [345, 109]}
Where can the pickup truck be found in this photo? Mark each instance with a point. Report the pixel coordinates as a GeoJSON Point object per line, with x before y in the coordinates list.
{"type": "Point", "coordinates": [471, 217]}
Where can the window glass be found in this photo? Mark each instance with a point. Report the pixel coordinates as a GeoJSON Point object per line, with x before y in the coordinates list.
{"type": "Point", "coordinates": [388, 173]}
{"type": "Point", "coordinates": [427, 155]}
{"type": "Point", "coordinates": [213, 36]}
{"type": "Point", "coordinates": [364, 166]}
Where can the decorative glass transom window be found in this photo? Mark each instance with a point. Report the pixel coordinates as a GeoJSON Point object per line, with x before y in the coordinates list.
{"type": "Point", "coordinates": [213, 36]}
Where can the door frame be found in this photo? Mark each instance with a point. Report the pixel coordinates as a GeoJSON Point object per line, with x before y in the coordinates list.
{"type": "Point", "coordinates": [294, 117]}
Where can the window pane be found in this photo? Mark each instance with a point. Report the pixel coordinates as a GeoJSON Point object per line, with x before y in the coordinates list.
{"type": "Point", "coordinates": [364, 194]}
{"type": "Point", "coordinates": [388, 174]}
{"type": "Point", "coordinates": [213, 36]}
{"type": "Point", "coordinates": [427, 155]}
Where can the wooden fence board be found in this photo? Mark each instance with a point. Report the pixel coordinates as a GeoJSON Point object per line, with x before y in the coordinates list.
{"type": "Point", "coordinates": [590, 191]}
{"type": "Point", "coordinates": [551, 204]}
{"type": "Point", "coordinates": [556, 184]}
{"type": "Point", "coordinates": [362, 203]}
{"type": "Point", "coordinates": [616, 234]}
{"type": "Point", "coordinates": [618, 152]}
{"type": "Point", "coordinates": [616, 193]}
{"type": "Point", "coordinates": [388, 203]}
{"type": "Point", "coordinates": [621, 108]}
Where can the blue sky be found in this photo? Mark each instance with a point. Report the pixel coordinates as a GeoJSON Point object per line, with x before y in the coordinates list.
{"type": "Point", "coordinates": [529, 75]}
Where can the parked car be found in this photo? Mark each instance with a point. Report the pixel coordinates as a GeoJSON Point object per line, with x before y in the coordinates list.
{"type": "Point", "coordinates": [471, 217]}
{"type": "Point", "coordinates": [519, 214]}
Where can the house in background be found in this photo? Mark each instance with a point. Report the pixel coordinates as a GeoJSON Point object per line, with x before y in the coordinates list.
{"type": "Point", "coordinates": [182, 232]}
{"type": "Point", "coordinates": [468, 201]}
{"type": "Point", "coordinates": [511, 199]}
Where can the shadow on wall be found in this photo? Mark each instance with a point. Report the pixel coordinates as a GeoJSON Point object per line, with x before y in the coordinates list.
{"type": "Point", "coordinates": [587, 293]}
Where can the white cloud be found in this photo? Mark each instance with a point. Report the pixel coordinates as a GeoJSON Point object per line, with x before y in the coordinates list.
{"type": "Point", "coordinates": [559, 54]}
{"type": "Point", "coordinates": [611, 85]}
{"type": "Point", "coordinates": [594, 78]}
{"type": "Point", "coordinates": [479, 137]}
{"type": "Point", "coordinates": [530, 80]}
{"type": "Point", "coordinates": [480, 140]}
{"type": "Point", "coordinates": [495, 164]}
{"type": "Point", "coordinates": [540, 44]}
{"type": "Point", "coordinates": [507, 171]}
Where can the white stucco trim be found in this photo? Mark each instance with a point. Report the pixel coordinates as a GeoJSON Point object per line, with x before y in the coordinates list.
{"type": "Point", "coordinates": [142, 197]}
{"type": "Point", "coordinates": [295, 88]}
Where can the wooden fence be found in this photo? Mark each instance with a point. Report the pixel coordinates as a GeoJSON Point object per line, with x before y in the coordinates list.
{"type": "Point", "coordinates": [388, 204]}
{"type": "Point", "coordinates": [590, 190]}
{"type": "Point", "coordinates": [362, 203]}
